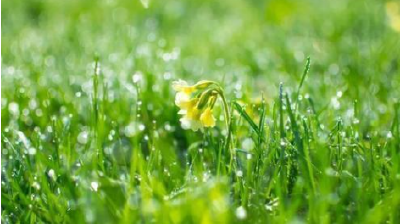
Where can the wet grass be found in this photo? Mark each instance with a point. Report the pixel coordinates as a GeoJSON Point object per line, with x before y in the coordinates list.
{"type": "Point", "coordinates": [90, 132]}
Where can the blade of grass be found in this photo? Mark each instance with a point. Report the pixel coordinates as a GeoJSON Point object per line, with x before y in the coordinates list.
{"type": "Point", "coordinates": [244, 114]}
{"type": "Point", "coordinates": [303, 77]}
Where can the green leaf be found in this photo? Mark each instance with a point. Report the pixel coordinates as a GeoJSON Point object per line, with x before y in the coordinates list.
{"type": "Point", "coordinates": [244, 114]}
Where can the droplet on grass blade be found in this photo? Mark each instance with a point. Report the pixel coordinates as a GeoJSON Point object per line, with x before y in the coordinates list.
{"type": "Point", "coordinates": [39, 112]}
{"type": "Point", "coordinates": [83, 137]}
{"type": "Point", "coordinates": [137, 77]}
{"type": "Point", "coordinates": [167, 76]}
{"type": "Point", "coordinates": [241, 213]}
{"type": "Point", "coordinates": [23, 139]}
{"type": "Point", "coordinates": [206, 176]}
{"type": "Point", "coordinates": [248, 144]}
{"type": "Point", "coordinates": [51, 174]}
{"type": "Point", "coordinates": [249, 156]}
{"type": "Point", "coordinates": [131, 129]}
{"type": "Point", "coordinates": [36, 185]}
{"type": "Point", "coordinates": [13, 108]}
{"type": "Point", "coordinates": [335, 103]}
{"type": "Point", "coordinates": [32, 151]}
{"type": "Point", "coordinates": [94, 186]}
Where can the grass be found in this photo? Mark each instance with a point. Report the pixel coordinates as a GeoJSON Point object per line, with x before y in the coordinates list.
{"type": "Point", "coordinates": [90, 132]}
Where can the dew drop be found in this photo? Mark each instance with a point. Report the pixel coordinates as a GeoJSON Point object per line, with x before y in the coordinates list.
{"type": "Point", "coordinates": [142, 127]}
{"type": "Point", "coordinates": [94, 186]}
{"type": "Point", "coordinates": [13, 108]}
{"type": "Point", "coordinates": [31, 151]}
{"type": "Point", "coordinates": [83, 137]}
{"type": "Point", "coordinates": [241, 213]}
{"type": "Point", "coordinates": [249, 156]}
{"type": "Point", "coordinates": [52, 174]}
{"type": "Point", "coordinates": [137, 77]}
{"type": "Point", "coordinates": [248, 144]}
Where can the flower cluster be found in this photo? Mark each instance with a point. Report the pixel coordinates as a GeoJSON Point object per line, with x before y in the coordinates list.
{"type": "Point", "coordinates": [196, 103]}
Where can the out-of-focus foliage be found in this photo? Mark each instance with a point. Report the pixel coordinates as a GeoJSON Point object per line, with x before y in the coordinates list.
{"type": "Point", "coordinates": [87, 144]}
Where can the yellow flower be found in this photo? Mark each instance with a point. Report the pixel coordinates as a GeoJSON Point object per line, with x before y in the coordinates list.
{"type": "Point", "coordinates": [196, 102]}
{"type": "Point", "coordinates": [181, 99]}
{"type": "Point", "coordinates": [187, 107]}
{"type": "Point", "coordinates": [193, 113]}
{"type": "Point", "coordinates": [183, 95]}
{"type": "Point", "coordinates": [183, 87]}
{"type": "Point", "coordinates": [207, 119]}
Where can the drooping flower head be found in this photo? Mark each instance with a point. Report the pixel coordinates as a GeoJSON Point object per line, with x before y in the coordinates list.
{"type": "Point", "coordinates": [196, 103]}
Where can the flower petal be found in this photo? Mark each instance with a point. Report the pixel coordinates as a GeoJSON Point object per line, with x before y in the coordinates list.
{"type": "Point", "coordinates": [181, 99]}
{"type": "Point", "coordinates": [207, 118]}
{"type": "Point", "coordinates": [178, 85]}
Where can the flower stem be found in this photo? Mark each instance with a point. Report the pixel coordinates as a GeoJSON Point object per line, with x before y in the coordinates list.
{"type": "Point", "coordinates": [228, 126]}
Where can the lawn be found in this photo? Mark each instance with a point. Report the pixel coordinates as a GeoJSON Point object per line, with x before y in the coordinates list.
{"type": "Point", "coordinates": [297, 106]}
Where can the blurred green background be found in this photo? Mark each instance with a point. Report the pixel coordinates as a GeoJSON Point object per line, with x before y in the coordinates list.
{"type": "Point", "coordinates": [250, 46]}
{"type": "Point", "coordinates": [48, 52]}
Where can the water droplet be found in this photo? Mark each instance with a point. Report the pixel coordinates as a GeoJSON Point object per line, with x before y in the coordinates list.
{"type": "Point", "coordinates": [248, 144]}
{"type": "Point", "coordinates": [23, 139]}
{"type": "Point", "coordinates": [39, 112]}
{"type": "Point", "coordinates": [131, 129]}
{"type": "Point", "coordinates": [36, 185]}
{"type": "Point", "coordinates": [83, 137]}
{"type": "Point", "coordinates": [51, 174]}
{"type": "Point", "coordinates": [13, 108]}
{"type": "Point", "coordinates": [241, 213]}
{"type": "Point", "coordinates": [137, 77]}
{"type": "Point", "coordinates": [335, 103]}
{"type": "Point", "coordinates": [94, 186]}
{"type": "Point", "coordinates": [167, 127]}
{"type": "Point", "coordinates": [249, 156]}
{"type": "Point", "coordinates": [142, 127]}
{"type": "Point", "coordinates": [205, 176]}
{"type": "Point", "coordinates": [167, 76]}
{"type": "Point", "coordinates": [31, 151]}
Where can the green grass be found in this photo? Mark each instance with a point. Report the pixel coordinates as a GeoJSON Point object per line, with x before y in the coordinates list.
{"type": "Point", "coordinates": [90, 132]}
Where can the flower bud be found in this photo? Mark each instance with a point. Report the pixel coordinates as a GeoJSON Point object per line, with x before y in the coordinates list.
{"type": "Point", "coordinates": [204, 98]}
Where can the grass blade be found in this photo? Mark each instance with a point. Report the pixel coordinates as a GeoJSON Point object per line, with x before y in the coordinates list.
{"type": "Point", "coordinates": [244, 114]}
{"type": "Point", "coordinates": [303, 77]}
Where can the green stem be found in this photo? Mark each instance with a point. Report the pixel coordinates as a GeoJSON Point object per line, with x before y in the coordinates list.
{"type": "Point", "coordinates": [228, 125]}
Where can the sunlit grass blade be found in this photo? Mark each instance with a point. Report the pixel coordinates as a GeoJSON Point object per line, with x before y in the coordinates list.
{"type": "Point", "coordinates": [246, 117]}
